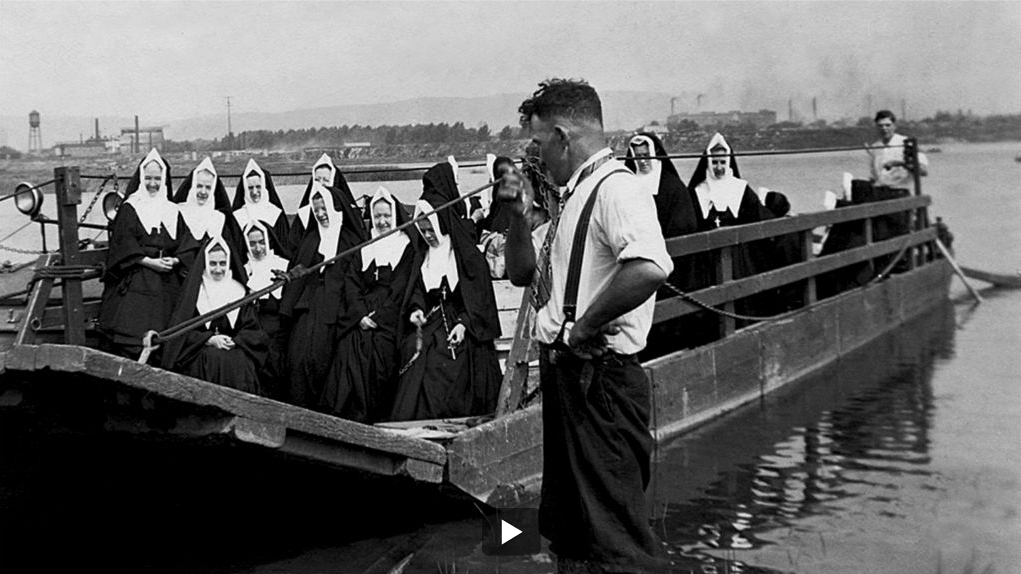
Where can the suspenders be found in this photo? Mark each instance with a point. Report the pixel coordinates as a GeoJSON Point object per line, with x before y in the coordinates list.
{"type": "Point", "coordinates": [578, 253]}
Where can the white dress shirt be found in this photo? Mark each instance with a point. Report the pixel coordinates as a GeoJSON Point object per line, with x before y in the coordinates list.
{"type": "Point", "coordinates": [623, 227]}
{"type": "Point", "coordinates": [897, 176]}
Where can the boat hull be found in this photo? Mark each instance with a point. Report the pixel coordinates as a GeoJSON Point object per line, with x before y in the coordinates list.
{"type": "Point", "coordinates": [500, 462]}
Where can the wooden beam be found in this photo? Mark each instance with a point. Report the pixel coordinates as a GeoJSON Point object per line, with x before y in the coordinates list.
{"type": "Point", "coordinates": [515, 373]}
{"type": "Point", "coordinates": [36, 304]}
{"type": "Point", "coordinates": [69, 195]}
{"type": "Point", "coordinates": [806, 255]}
{"type": "Point", "coordinates": [724, 236]}
{"type": "Point", "coordinates": [106, 367]}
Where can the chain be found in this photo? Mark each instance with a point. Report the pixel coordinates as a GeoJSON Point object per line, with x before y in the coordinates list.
{"type": "Point", "coordinates": [96, 197]}
{"type": "Point", "coordinates": [23, 251]}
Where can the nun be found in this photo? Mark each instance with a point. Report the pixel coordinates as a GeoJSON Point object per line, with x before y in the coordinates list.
{"type": "Point", "coordinates": [659, 177]}
{"type": "Point", "coordinates": [327, 175]}
{"type": "Point", "coordinates": [150, 251]}
{"type": "Point", "coordinates": [360, 386]}
{"type": "Point", "coordinates": [256, 199]}
{"type": "Point", "coordinates": [314, 303]}
{"type": "Point", "coordinates": [724, 199]}
{"type": "Point", "coordinates": [206, 208]}
{"type": "Point", "coordinates": [676, 214]}
{"type": "Point", "coordinates": [449, 316]}
{"type": "Point", "coordinates": [229, 350]}
{"type": "Point", "coordinates": [265, 266]}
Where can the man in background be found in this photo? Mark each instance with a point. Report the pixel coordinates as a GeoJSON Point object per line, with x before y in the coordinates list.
{"type": "Point", "coordinates": [887, 155]}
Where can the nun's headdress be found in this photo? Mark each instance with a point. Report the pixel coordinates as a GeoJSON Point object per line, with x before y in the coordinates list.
{"type": "Point", "coordinates": [723, 193]}
{"type": "Point", "coordinates": [207, 218]}
{"type": "Point", "coordinates": [387, 251]}
{"type": "Point", "coordinates": [268, 207]}
{"type": "Point", "coordinates": [153, 211]}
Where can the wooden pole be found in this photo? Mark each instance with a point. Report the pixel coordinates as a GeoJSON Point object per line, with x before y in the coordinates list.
{"type": "Point", "coordinates": [69, 195]}
{"type": "Point", "coordinates": [946, 253]}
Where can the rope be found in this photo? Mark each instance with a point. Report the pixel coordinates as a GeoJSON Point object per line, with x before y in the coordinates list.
{"type": "Point", "coordinates": [299, 271]}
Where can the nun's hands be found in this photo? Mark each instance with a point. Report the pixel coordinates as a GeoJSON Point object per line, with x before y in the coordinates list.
{"type": "Point", "coordinates": [367, 323]}
{"type": "Point", "coordinates": [516, 191]}
{"type": "Point", "coordinates": [222, 342]}
{"type": "Point", "coordinates": [456, 336]}
{"type": "Point", "coordinates": [160, 265]}
{"type": "Point", "coordinates": [417, 318]}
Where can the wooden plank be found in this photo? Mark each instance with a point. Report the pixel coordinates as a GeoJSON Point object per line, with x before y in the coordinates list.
{"type": "Point", "coordinates": [684, 384]}
{"type": "Point", "coordinates": [807, 255]}
{"type": "Point", "coordinates": [727, 236]}
{"type": "Point", "coordinates": [515, 374]}
{"type": "Point", "coordinates": [508, 296]}
{"type": "Point", "coordinates": [53, 317]}
{"type": "Point", "coordinates": [68, 191]}
{"type": "Point", "coordinates": [497, 456]}
{"type": "Point", "coordinates": [724, 275]}
{"type": "Point", "coordinates": [739, 367]}
{"type": "Point", "coordinates": [36, 304]}
{"type": "Point", "coordinates": [740, 288]}
{"type": "Point", "coordinates": [74, 359]}
{"type": "Point", "coordinates": [798, 345]}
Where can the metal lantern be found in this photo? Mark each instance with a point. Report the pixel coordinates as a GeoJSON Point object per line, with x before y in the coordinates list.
{"type": "Point", "coordinates": [28, 199]}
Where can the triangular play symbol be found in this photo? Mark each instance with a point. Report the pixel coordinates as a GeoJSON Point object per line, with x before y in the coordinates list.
{"type": "Point", "coordinates": [507, 531]}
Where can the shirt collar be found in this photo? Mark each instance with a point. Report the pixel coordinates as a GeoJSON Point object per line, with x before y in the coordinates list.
{"type": "Point", "coordinates": [573, 181]}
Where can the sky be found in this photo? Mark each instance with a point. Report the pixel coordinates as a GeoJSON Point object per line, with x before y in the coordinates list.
{"type": "Point", "coordinates": [174, 59]}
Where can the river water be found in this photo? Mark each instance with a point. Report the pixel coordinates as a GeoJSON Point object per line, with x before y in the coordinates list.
{"type": "Point", "coordinates": [903, 458]}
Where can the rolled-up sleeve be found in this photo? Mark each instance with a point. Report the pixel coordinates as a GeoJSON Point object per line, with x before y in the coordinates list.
{"type": "Point", "coordinates": [627, 223]}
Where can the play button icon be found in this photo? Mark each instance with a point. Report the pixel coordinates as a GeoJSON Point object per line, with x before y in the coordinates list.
{"type": "Point", "coordinates": [507, 532]}
{"type": "Point", "coordinates": [513, 531]}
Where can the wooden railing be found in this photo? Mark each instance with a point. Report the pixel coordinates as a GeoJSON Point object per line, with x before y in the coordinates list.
{"type": "Point", "coordinates": [719, 245]}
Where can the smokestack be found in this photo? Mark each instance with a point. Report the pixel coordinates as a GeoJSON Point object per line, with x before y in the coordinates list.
{"type": "Point", "coordinates": [97, 128]}
{"type": "Point", "coordinates": [790, 110]}
{"type": "Point", "coordinates": [137, 143]}
{"type": "Point", "coordinates": [815, 115]}
{"type": "Point", "coordinates": [903, 110]}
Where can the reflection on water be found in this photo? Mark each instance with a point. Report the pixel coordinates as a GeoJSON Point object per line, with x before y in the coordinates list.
{"type": "Point", "coordinates": [856, 434]}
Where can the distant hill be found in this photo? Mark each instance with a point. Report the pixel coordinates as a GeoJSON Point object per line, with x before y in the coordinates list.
{"type": "Point", "coordinates": [621, 110]}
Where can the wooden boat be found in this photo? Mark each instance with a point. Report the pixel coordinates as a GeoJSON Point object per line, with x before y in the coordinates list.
{"type": "Point", "coordinates": [49, 371]}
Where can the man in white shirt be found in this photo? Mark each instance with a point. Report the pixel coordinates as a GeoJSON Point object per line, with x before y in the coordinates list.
{"type": "Point", "coordinates": [887, 155]}
{"type": "Point", "coordinates": [596, 401]}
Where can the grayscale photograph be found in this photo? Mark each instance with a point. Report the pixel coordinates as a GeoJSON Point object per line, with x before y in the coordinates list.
{"type": "Point", "coordinates": [535, 287]}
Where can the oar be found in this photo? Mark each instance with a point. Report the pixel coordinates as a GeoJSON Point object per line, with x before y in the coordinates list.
{"type": "Point", "coordinates": [997, 279]}
{"type": "Point", "coordinates": [957, 269]}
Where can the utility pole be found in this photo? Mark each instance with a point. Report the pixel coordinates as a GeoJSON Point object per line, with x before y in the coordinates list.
{"type": "Point", "coordinates": [230, 132]}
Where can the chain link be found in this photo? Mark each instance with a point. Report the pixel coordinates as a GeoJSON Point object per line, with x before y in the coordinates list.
{"type": "Point", "coordinates": [96, 197]}
{"type": "Point", "coordinates": [24, 251]}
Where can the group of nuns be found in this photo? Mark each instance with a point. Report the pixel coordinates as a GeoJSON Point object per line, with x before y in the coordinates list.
{"type": "Point", "coordinates": [714, 197]}
{"type": "Point", "coordinates": [401, 329]}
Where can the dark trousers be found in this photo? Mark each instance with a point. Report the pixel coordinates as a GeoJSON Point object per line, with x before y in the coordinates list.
{"type": "Point", "coordinates": [597, 450]}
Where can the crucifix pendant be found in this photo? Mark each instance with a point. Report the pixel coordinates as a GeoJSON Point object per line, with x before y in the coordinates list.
{"type": "Point", "coordinates": [717, 221]}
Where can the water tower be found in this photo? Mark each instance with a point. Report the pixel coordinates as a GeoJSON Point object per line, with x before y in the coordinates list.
{"type": "Point", "coordinates": [35, 138]}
